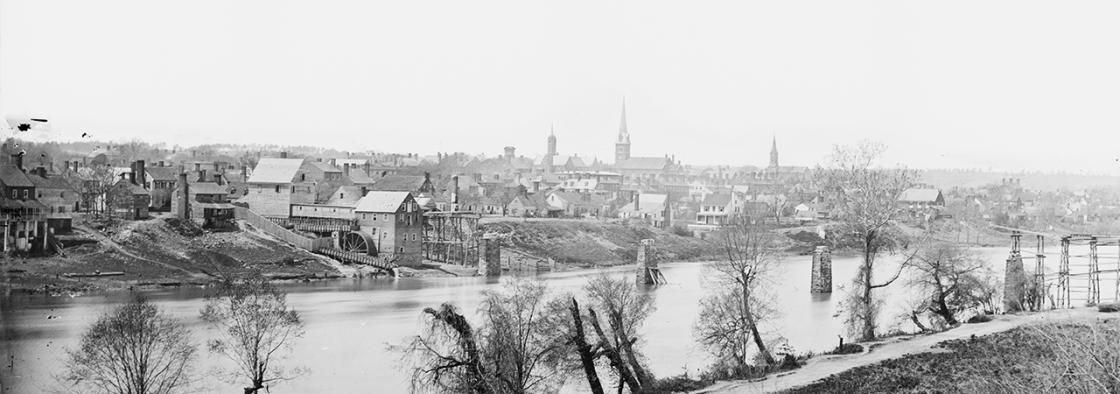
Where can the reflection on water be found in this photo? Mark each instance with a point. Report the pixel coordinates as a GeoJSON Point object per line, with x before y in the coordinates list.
{"type": "Point", "coordinates": [351, 322]}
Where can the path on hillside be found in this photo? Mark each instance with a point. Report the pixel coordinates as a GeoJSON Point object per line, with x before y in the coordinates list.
{"type": "Point", "coordinates": [107, 241]}
{"type": "Point", "coordinates": [820, 367]}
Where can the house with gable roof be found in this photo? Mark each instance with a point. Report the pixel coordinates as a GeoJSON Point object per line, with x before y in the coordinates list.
{"type": "Point", "coordinates": [393, 222]}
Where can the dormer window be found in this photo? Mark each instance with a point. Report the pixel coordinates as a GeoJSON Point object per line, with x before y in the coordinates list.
{"type": "Point", "coordinates": [302, 177]}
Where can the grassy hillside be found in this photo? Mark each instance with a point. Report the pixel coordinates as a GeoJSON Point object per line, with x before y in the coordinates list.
{"type": "Point", "coordinates": [595, 243]}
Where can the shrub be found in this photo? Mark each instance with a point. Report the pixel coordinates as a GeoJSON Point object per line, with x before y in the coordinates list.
{"type": "Point", "coordinates": [980, 318]}
{"type": "Point", "coordinates": [1109, 307]}
{"type": "Point", "coordinates": [847, 348]}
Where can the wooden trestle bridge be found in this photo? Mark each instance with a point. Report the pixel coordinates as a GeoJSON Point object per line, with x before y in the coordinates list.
{"type": "Point", "coordinates": [1083, 261]}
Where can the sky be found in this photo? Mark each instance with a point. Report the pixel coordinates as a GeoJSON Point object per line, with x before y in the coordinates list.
{"type": "Point", "coordinates": [1002, 85]}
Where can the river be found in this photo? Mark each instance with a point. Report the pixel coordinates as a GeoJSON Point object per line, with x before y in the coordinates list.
{"type": "Point", "coordinates": [350, 323]}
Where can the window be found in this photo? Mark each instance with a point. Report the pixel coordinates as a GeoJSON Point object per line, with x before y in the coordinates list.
{"type": "Point", "coordinates": [25, 193]}
{"type": "Point", "coordinates": [302, 177]}
{"type": "Point", "coordinates": [341, 196]}
{"type": "Point", "coordinates": [62, 195]}
{"type": "Point", "coordinates": [293, 189]}
{"type": "Point", "coordinates": [277, 188]}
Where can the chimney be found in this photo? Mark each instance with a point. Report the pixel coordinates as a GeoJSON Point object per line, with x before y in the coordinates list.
{"type": "Point", "coordinates": [67, 165]}
{"type": "Point", "coordinates": [197, 166]}
{"type": "Point", "coordinates": [510, 152]}
{"type": "Point", "coordinates": [217, 168]}
{"type": "Point", "coordinates": [455, 191]}
{"type": "Point", "coordinates": [346, 169]}
{"type": "Point", "coordinates": [637, 202]}
{"type": "Point", "coordinates": [142, 172]}
{"type": "Point", "coordinates": [218, 179]}
{"type": "Point", "coordinates": [194, 153]}
{"type": "Point", "coordinates": [283, 155]}
{"type": "Point", "coordinates": [184, 196]}
{"type": "Point", "coordinates": [334, 163]}
{"type": "Point", "coordinates": [18, 161]}
{"type": "Point", "coordinates": [536, 186]}
{"type": "Point", "coordinates": [244, 173]}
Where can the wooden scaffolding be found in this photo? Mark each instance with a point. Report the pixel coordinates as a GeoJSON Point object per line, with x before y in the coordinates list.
{"type": "Point", "coordinates": [451, 237]}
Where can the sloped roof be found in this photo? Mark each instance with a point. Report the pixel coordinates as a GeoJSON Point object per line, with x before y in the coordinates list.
{"type": "Point", "coordinates": [13, 177]}
{"type": "Point", "coordinates": [162, 173]}
{"type": "Point", "coordinates": [275, 170]}
{"type": "Point", "coordinates": [643, 163]}
{"type": "Point", "coordinates": [919, 195]}
{"type": "Point", "coordinates": [325, 167]}
{"type": "Point", "coordinates": [52, 181]}
{"type": "Point", "coordinates": [208, 188]}
{"type": "Point", "coordinates": [398, 183]}
{"type": "Point", "coordinates": [360, 177]}
{"type": "Point", "coordinates": [717, 199]}
{"type": "Point", "coordinates": [131, 187]}
{"type": "Point", "coordinates": [350, 196]}
{"type": "Point", "coordinates": [381, 201]}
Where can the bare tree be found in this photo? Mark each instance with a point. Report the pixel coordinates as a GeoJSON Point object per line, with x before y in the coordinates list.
{"type": "Point", "coordinates": [864, 201]}
{"type": "Point", "coordinates": [134, 349]}
{"type": "Point", "coordinates": [729, 317]}
{"type": "Point", "coordinates": [584, 349]}
{"type": "Point", "coordinates": [96, 185]}
{"type": "Point", "coordinates": [256, 330]}
{"type": "Point", "coordinates": [516, 349]}
{"type": "Point", "coordinates": [944, 275]}
{"type": "Point", "coordinates": [626, 309]}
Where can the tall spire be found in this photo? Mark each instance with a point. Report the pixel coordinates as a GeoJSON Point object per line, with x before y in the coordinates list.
{"type": "Point", "coordinates": [623, 134]}
{"type": "Point", "coordinates": [622, 146]}
{"type": "Point", "coordinates": [774, 153]}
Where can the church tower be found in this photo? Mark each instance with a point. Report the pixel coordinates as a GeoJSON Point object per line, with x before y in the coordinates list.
{"type": "Point", "coordinates": [551, 141]}
{"type": "Point", "coordinates": [622, 146]}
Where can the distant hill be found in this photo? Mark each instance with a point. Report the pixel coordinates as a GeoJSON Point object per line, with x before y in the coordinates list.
{"type": "Point", "coordinates": [947, 179]}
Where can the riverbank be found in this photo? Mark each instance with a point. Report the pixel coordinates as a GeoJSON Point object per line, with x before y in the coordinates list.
{"type": "Point", "coordinates": [575, 244]}
{"type": "Point", "coordinates": [160, 252]}
{"type": "Point", "coordinates": [938, 362]}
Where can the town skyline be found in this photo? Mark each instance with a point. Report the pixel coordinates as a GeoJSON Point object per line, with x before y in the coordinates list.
{"type": "Point", "coordinates": [391, 77]}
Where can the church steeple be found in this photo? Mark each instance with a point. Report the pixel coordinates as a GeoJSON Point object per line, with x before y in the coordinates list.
{"type": "Point", "coordinates": [623, 134]}
{"type": "Point", "coordinates": [622, 146]}
{"type": "Point", "coordinates": [774, 153]}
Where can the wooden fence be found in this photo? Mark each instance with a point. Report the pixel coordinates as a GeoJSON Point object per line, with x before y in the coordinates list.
{"type": "Point", "coordinates": [278, 231]}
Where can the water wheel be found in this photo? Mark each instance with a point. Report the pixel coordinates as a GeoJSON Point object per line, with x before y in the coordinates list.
{"type": "Point", "coordinates": [358, 242]}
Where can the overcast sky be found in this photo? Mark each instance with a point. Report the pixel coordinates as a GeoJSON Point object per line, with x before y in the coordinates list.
{"type": "Point", "coordinates": [973, 84]}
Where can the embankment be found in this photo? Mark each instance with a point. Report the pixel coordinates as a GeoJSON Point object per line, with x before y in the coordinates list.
{"type": "Point", "coordinates": [588, 243]}
{"type": "Point", "coordinates": [160, 252]}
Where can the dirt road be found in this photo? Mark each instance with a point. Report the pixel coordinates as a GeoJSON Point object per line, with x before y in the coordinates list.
{"type": "Point", "coordinates": [820, 367]}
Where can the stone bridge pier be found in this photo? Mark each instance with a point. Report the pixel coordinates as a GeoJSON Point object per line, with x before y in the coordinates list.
{"type": "Point", "coordinates": [822, 271]}
{"type": "Point", "coordinates": [490, 256]}
{"type": "Point", "coordinates": [647, 271]}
